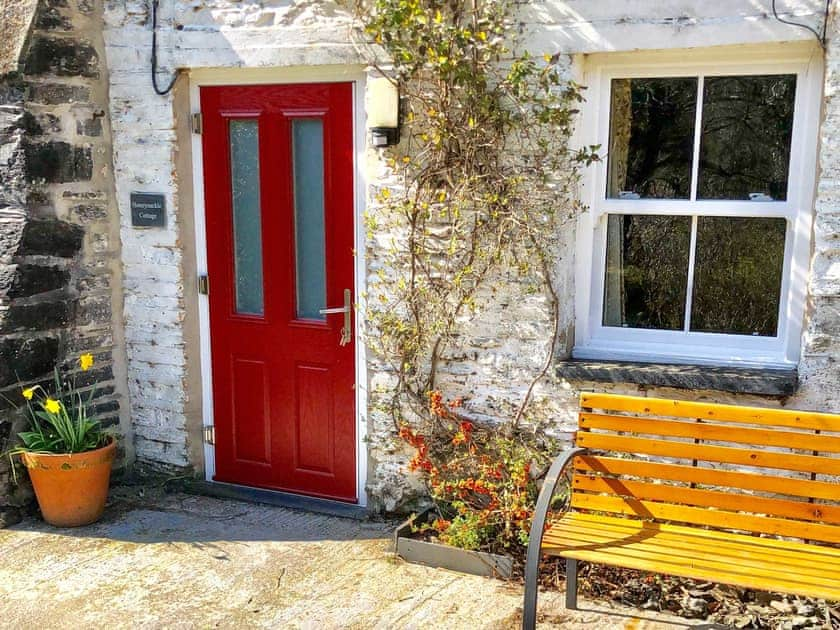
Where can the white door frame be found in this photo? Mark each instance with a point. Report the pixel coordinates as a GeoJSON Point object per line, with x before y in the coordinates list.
{"type": "Point", "coordinates": [261, 76]}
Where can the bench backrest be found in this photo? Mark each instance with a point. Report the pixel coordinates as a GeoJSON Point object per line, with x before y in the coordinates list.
{"type": "Point", "coordinates": [769, 471]}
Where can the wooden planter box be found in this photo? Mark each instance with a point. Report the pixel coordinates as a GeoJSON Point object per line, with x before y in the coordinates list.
{"type": "Point", "coordinates": [437, 555]}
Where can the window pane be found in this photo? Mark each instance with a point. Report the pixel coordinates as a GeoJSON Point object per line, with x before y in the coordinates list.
{"type": "Point", "coordinates": [745, 147]}
{"type": "Point", "coordinates": [647, 271]}
{"type": "Point", "coordinates": [308, 156]}
{"type": "Point", "coordinates": [247, 230]}
{"type": "Point", "coordinates": [738, 275]}
{"type": "Point", "coordinates": [651, 138]}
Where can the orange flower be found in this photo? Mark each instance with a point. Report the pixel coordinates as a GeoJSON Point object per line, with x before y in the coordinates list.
{"type": "Point", "coordinates": [436, 404]}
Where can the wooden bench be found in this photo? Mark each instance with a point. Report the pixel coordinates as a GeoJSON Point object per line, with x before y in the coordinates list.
{"type": "Point", "coordinates": [738, 495]}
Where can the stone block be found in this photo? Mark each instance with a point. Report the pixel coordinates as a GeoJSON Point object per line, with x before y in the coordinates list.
{"type": "Point", "coordinates": [96, 282]}
{"type": "Point", "coordinates": [41, 316]}
{"type": "Point", "coordinates": [94, 376]}
{"type": "Point", "coordinates": [29, 124]}
{"type": "Point", "coordinates": [85, 195]}
{"type": "Point", "coordinates": [109, 421]}
{"type": "Point", "coordinates": [39, 202]}
{"type": "Point", "coordinates": [51, 238]}
{"type": "Point", "coordinates": [7, 278]}
{"type": "Point", "coordinates": [26, 359]}
{"type": "Point", "coordinates": [11, 232]}
{"type": "Point", "coordinates": [96, 310]}
{"type": "Point", "coordinates": [91, 127]}
{"type": "Point", "coordinates": [10, 516]}
{"type": "Point", "coordinates": [104, 408]}
{"type": "Point", "coordinates": [34, 279]}
{"type": "Point", "coordinates": [50, 18]}
{"type": "Point", "coordinates": [58, 94]}
{"type": "Point", "coordinates": [58, 162]}
{"type": "Point", "coordinates": [62, 57]}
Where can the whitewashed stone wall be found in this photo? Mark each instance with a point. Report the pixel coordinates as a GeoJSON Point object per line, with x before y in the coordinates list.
{"type": "Point", "coordinates": [159, 279]}
{"type": "Point", "coordinates": [507, 341]}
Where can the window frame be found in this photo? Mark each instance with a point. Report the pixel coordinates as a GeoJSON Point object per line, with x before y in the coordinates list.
{"type": "Point", "coordinates": [593, 340]}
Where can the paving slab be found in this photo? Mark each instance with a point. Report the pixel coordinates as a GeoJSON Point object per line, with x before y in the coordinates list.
{"type": "Point", "coordinates": [161, 560]}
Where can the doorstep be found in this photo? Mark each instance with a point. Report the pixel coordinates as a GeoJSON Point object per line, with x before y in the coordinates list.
{"type": "Point", "coordinates": [274, 497]}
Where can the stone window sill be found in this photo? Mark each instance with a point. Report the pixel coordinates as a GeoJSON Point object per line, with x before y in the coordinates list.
{"type": "Point", "coordinates": [764, 382]}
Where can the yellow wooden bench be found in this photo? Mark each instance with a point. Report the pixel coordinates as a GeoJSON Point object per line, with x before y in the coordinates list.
{"type": "Point", "coordinates": [738, 495]}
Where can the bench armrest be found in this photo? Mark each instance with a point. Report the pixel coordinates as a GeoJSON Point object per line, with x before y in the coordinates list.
{"type": "Point", "coordinates": [532, 562]}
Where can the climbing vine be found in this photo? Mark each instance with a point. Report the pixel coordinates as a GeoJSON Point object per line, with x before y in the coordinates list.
{"type": "Point", "coordinates": [482, 182]}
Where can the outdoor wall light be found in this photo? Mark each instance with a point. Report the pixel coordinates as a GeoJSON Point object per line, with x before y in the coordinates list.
{"type": "Point", "coordinates": [383, 112]}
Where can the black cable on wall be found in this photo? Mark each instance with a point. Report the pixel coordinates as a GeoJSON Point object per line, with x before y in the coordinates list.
{"type": "Point", "coordinates": [820, 36]}
{"type": "Point", "coordinates": [158, 90]}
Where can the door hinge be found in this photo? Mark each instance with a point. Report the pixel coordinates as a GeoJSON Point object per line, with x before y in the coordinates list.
{"type": "Point", "coordinates": [197, 123]}
{"type": "Point", "coordinates": [209, 434]}
{"type": "Point", "coordinates": [204, 284]}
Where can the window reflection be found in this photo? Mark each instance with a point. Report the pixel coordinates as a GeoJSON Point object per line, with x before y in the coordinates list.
{"type": "Point", "coordinates": [738, 275]}
{"type": "Point", "coordinates": [745, 146]}
{"type": "Point", "coordinates": [647, 271]}
{"type": "Point", "coordinates": [651, 138]}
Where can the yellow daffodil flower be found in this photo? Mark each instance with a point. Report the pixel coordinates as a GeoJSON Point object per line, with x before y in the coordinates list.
{"type": "Point", "coordinates": [28, 393]}
{"type": "Point", "coordinates": [86, 361]}
{"type": "Point", "coordinates": [52, 406]}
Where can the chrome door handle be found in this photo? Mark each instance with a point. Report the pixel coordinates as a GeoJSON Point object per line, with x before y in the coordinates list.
{"type": "Point", "coordinates": [346, 330]}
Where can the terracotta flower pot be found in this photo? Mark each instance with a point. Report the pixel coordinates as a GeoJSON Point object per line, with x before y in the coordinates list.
{"type": "Point", "coordinates": [71, 489]}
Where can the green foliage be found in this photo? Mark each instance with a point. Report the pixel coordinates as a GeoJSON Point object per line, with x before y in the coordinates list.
{"type": "Point", "coordinates": [486, 175]}
{"type": "Point", "coordinates": [485, 181]}
{"type": "Point", "coordinates": [482, 480]}
{"type": "Point", "coordinates": [60, 420]}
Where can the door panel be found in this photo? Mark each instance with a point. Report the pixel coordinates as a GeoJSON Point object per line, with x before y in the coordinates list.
{"type": "Point", "coordinates": [313, 454]}
{"type": "Point", "coordinates": [251, 411]}
{"type": "Point", "coordinates": [278, 166]}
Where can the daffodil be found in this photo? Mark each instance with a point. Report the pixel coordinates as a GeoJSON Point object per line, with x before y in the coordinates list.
{"type": "Point", "coordinates": [52, 406]}
{"type": "Point", "coordinates": [86, 361]}
{"type": "Point", "coordinates": [28, 393]}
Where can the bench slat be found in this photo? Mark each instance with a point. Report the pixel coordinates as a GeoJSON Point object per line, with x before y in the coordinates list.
{"type": "Point", "coordinates": [662, 556]}
{"type": "Point", "coordinates": [674, 536]}
{"type": "Point", "coordinates": [703, 516]}
{"type": "Point", "coordinates": [724, 454]}
{"type": "Point", "coordinates": [714, 432]}
{"type": "Point", "coordinates": [710, 477]}
{"type": "Point", "coordinates": [800, 510]}
{"type": "Point", "coordinates": [688, 549]}
{"type": "Point", "coordinates": [712, 538]}
{"type": "Point", "coordinates": [709, 411]}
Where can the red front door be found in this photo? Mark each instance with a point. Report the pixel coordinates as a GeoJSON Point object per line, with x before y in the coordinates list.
{"type": "Point", "coordinates": [278, 168]}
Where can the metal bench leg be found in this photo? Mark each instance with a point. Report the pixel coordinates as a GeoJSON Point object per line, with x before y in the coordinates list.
{"type": "Point", "coordinates": [571, 583]}
{"type": "Point", "coordinates": [532, 561]}
{"type": "Point", "coordinates": [532, 573]}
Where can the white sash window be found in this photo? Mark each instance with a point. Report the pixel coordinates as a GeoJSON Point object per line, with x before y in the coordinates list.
{"type": "Point", "coordinates": [696, 244]}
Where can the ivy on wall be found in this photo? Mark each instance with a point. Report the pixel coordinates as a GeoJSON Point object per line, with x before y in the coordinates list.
{"type": "Point", "coordinates": [486, 176]}
{"type": "Point", "coordinates": [486, 179]}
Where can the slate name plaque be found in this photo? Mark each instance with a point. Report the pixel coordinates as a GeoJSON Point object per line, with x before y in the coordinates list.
{"type": "Point", "coordinates": [148, 210]}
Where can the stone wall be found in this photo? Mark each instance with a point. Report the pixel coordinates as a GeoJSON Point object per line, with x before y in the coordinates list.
{"type": "Point", "coordinates": [507, 341]}
{"type": "Point", "coordinates": [60, 291]}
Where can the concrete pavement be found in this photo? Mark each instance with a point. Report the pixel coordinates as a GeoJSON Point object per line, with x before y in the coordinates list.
{"type": "Point", "coordinates": [161, 560]}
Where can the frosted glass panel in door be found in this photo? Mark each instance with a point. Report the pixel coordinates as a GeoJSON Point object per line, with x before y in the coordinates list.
{"type": "Point", "coordinates": [310, 247]}
{"type": "Point", "coordinates": [247, 228]}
